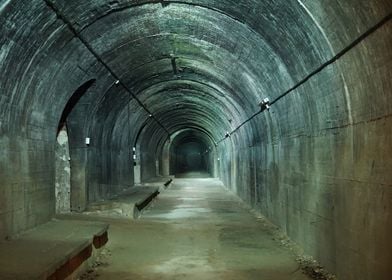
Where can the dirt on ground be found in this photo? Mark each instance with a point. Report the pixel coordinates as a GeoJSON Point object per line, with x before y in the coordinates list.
{"type": "Point", "coordinates": [196, 230]}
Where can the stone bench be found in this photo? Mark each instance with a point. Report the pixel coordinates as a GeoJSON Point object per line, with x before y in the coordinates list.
{"type": "Point", "coordinates": [55, 250]}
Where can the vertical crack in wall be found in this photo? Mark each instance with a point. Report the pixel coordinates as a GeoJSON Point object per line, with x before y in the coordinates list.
{"type": "Point", "coordinates": [174, 65]}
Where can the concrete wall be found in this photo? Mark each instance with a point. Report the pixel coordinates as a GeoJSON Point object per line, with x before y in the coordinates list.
{"type": "Point", "coordinates": [42, 66]}
{"type": "Point", "coordinates": [322, 170]}
{"type": "Point", "coordinates": [28, 115]}
{"type": "Point", "coordinates": [110, 161]}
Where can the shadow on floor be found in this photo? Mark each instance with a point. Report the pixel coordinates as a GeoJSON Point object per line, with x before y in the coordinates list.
{"type": "Point", "coordinates": [195, 174]}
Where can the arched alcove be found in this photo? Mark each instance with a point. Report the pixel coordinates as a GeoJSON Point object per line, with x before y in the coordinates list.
{"type": "Point", "coordinates": [71, 153]}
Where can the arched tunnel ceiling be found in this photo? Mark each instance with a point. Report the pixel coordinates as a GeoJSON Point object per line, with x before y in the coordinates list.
{"type": "Point", "coordinates": [202, 64]}
{"type": "Point", "coordinates": [191, 63]}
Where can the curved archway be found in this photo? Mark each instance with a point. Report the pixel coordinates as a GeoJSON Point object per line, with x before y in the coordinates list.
{"type": "Point", "coordinates": [71, 153]}
{"type": "Point", "coordinates": [191, 152]}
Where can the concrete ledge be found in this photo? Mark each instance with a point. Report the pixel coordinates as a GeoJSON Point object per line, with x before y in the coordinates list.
{"type": "Point", "coordinates": [168, 183]}
{"type": "Point", "coordinates": [55, 250]}
{"type": "Point", "coordinates": [139, 206]}
{"type": "Point", "coordinates": [129, 204]}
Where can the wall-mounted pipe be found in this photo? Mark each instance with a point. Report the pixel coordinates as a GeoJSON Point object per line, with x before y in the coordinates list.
{"type": "Point", "coordinates": [357, 41]}
{"type": "Point", "coordinates": [117, 82]}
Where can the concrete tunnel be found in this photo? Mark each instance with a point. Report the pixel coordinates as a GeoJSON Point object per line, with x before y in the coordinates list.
{"type": "Point", "coordinates": [117, 93]}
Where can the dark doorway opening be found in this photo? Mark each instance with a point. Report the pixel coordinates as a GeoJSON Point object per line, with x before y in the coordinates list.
{"type": "Point", "coordinates": [190, 157]}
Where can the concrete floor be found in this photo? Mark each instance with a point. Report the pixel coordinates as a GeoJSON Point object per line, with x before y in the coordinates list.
{"type": "Point", "coordinates": [195, 230]}
{"type": "Point", "coordinates": [193, 174]}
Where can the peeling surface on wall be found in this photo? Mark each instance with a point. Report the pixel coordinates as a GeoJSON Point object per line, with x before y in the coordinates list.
{"type": "Point", "coordinates": [63, 173]}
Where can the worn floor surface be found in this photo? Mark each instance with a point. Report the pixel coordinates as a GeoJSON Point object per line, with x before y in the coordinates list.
{"type": "Point", "coordinates": [195, 230]}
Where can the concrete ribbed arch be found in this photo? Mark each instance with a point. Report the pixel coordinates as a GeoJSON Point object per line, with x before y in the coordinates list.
{"type": "Point", "coordinates": [166, 160]}
{"type": "Point", "coordinates": [254, 52]}
{"type": "Point", "coordinates": [214, 8]}
{"type": "Point", "coordinates": [181, 162]}
{"type": "Point", "coordinates": [165, 65]}
{"type": "Point", "coordinates": [317, 164]}
{"type": "Point", "coordinates": [198, 87]}
{"type": "Point", "coordinates": [248, 82]}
